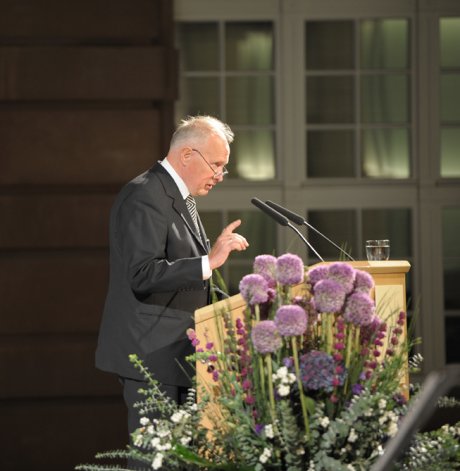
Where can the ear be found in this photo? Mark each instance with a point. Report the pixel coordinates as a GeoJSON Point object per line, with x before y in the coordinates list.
{"type": "Point", "coordinates": [185, 155]}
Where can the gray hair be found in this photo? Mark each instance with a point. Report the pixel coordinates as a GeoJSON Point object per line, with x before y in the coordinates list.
{"type": "Point", "coordinates": [196, 128]}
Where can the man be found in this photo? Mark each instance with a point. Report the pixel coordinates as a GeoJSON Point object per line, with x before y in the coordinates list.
{"type": "Point", "coordinates": [160, 261]}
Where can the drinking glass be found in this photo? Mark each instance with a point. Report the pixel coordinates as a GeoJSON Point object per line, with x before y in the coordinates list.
{"type": "Point", "coordinates": [378, 249]}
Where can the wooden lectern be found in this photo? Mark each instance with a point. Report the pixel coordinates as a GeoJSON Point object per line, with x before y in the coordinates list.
{"type": "Point", "coordinates": [389, 293]}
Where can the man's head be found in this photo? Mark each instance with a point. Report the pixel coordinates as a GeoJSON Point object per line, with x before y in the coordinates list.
{"type": "Point", "coordinates": [199, 151]}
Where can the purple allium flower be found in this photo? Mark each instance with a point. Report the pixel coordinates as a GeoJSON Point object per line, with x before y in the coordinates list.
{"type": "Point", "coordinates": [289, 269]}
{"type": "Point", "coordinates": [288, 362]}
{"type": "Point", "coordinates": [265, 265]}
{"type": "Point", "coordinates": [254, 288]}
{"type": "Point", "coordinates": [329, 296]}
{"type": "Point", "coordinates": [357, 389]}
{"type": "Point", "coordinates": [318, 273]}
{"type": "Point", "coordinates": [363, 282]}
{"type": "Point", "coordinates": [291, 320]}
{"type": "Point", "coordinates": [344, 274]}
{"type": "Point", "coordinates": [266, 337]}
{"type": "Point", "coordinates": [318, 371]}
{"type": "Point", "coordinates": [359, 309]}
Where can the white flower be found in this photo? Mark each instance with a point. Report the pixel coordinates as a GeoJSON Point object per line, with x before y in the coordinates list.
{"type": "Point", "coordinates": [392, 429]}
{"type": "Point", "coordinates": [324, 422]}
{"type": "Point", "coordinates": [263, 458]}
{"type": "Point", "coordinates": [185, 440]}
{"type": "Point", "coordinates": [283, 390]}
{"type": "Point", "coordinates": [138, 440]}
{"type": "Point", "coordinates": [155, 442]}
{"type": "Point", "coordinates": [269, 431]}
{"type": "Point", "coordinates": [382, 404]}
{"type": "Point", "coordinates": [177, 417]}
{"type": "Point", "coordinates": [352, 436]}
{"type": "Point", "coordinates": [162, 433]}
{"type": "Point", "coordinates": [157, 461]}
{"type": "Point", "coordinates": [144, 421]}
{"type": "Point", "coordinates": [282, 372]}
{"type": "Point", "coordinates": [150, 430]}
{"type": "Point", "coordinates": [350, 467]}
{"type": "Point", "coordinates": [291, 378]}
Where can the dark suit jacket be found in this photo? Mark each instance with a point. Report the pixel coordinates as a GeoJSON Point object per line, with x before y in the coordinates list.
{"type": "Point", "coordinates": [155, 280]}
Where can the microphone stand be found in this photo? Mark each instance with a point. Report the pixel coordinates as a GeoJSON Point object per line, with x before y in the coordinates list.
{"type": "Point", "coordinates": [296, 218]}
{"type": "Point", "coordinates": [283, 220]}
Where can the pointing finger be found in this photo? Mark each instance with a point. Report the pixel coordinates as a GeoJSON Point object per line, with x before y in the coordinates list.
{"type": "Point", "coordinates": [231, 227]}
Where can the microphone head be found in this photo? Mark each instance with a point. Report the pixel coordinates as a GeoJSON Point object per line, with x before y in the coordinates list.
{"type": "Point", "coordinates": [294, 217]}
{"type": "Point", "coordinates": [279, 218]}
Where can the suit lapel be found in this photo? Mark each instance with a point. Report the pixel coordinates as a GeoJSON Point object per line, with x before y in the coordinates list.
{"type": "Point", "coordinates": [179, 205]}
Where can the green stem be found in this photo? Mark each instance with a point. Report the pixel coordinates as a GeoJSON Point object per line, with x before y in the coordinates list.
{"type": "Point", "coordinates": [271, 394]}
{"type": "Point", "coordinates": [257, 312]}
{"type": "Point", "coordinates": [300, 386]}
{"type": "Point", "coordinates": [329, 333]}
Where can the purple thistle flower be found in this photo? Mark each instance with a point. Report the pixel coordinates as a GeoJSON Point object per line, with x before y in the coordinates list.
{"type": "Point", "coordinates": [266, 337]}
{"type": "Point", "coordinates": [318, 371]}
{"type": "Point", "coordinates": [254, 288]}
{"type": "Point", "coordinates": [291, 320]}
{"type": "Point", "coordinates": [370, 331]}
{"type": "Point", "coordinates": [329, 296]}
{"type": "Point", "coordinates": [363, 282]}
{"type": "Point", "coordinates": [359, 309]}
{"type": "Point", "coordinates": [289, 269]}
{"type": "Point", "coordinates": [318, 273]}
{"type": "Point", "coordinates": [344, 274]}
{"type": "Point", "coordinates": [265, 265]}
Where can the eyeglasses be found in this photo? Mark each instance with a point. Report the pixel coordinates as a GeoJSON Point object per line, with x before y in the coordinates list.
{"type": "Point", "coordinates": [216, 174]}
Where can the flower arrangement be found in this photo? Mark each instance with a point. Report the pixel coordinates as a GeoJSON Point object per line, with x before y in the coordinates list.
{"type": "Point", "coordinates": [309, 378]}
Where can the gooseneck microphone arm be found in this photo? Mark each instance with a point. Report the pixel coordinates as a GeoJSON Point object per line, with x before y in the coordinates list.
{"type": "Point", "coordinates": [283, 220]}
{"type": "Point", "coordinates": [296, 218]}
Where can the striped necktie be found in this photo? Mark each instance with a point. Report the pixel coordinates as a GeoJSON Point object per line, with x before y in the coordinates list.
{"type": "Point", "coordinates": [191, 206]}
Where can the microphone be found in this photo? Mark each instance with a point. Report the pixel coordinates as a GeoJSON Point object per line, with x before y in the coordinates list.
{"type": "Point", "coordinates": [283, 220]}
{"type": "Point", "coordinates": [297, 219]}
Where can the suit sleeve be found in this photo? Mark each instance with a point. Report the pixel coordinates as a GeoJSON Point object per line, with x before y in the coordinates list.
{"type": "Point", "coordinates": [142, 238]}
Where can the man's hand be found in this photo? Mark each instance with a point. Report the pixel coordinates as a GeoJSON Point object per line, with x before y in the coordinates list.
{"type": "Point", "coordinates": [225, 243]}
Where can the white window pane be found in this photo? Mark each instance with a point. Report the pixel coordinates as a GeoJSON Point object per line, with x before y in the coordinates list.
{"type": "Point", "coordinates": [253, 155]}
{"type": "Point", "coordinates": [250, 100]}
{"type": "Point", "coordinates": [450, 152]}
{"type": "Point", "coordinates": [450, 40]}
{"type": "Point", "coordinates": [385, 153]}
{"type": "Point", "coordinates": [384, 99]}
{"type": "Point", "coordinates": [384, 44]}
{"type": "Point", "coordinates": [450, 97]}
{"type": "Point", "coordinates": [249, 46]}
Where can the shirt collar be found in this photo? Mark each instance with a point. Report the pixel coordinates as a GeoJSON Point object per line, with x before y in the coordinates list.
{"type": "Point", "coordinates": [184, 191]}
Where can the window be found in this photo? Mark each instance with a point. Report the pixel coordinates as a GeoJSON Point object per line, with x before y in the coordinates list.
{"type": "Point", "coordinates": [450, 96]}
{"type": "Point", "coordinates": [358, 117]}
{"type": "Point", "coordinates": [228, 71]}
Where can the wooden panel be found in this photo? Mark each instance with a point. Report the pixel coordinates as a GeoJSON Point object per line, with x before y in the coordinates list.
{"type": "Point", "coordinates": [52, 292]}
{"type": "Point", "coordinates": [77, 146]}
{"type": "Point", "coordinates": [87, 73]}
{"type": "Point", "coordinates": [46, 221]}
{"type": "Point", "coordinates": [80, 18]}
{"type": "Point", "coordinates": [56, 435]}
{"type": "Point", "coordinates": [52, 366]}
